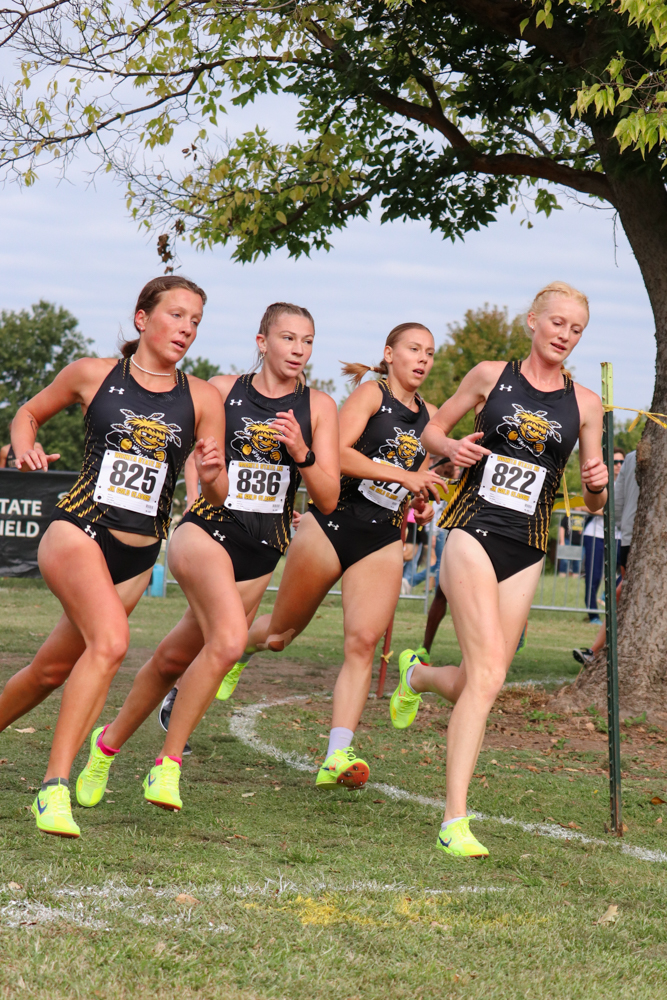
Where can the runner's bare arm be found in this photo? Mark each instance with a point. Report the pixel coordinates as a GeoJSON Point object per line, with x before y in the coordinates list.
{"type": "Point", "coordinates": [322, 480]}
{"type": "Point", "coordinates": [470, 395]}
{"type": "Point", "coordinates": [76, 383]}
{"type": "Point", "coordinates": [594, 472]}
{"type": "Point", "coordinates": [355, 413]}
{"type": "Point", "coordinates": [191, 481]}
{"type": "Point", "coordinates": [223, 383]}
{"type": "Point", "coordinates": [209, 453]}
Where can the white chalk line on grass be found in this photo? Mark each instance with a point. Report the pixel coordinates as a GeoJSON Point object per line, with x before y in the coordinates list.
{"type": "Point", "coordinates": [99, 907]}
{"type": "Point", "coordinates": [242, 725]}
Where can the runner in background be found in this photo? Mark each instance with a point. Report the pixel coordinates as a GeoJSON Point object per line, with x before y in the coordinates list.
{"type": "Point", "coordinates": [528, 417]}
{"type": "Point", "coordinates": [142, 417]}
{"type": "Point", "coordinates": [382, 462]}
{"type": "Point", "coordinates": [277, 430]}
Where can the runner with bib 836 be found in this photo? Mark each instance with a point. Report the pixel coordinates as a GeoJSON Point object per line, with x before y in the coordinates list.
{"type": "Point", "coordinates": [528, 416]}
{"type": "Point", "coordinates": [382, 462]}
{"type": "Point", "coordinates": [277, 430]}
{"type": "Point", "coordinates": [142, 416]}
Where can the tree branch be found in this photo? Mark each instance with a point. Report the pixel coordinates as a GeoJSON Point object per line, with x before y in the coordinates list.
{"type": "Point", "coordinates": [560, 40]}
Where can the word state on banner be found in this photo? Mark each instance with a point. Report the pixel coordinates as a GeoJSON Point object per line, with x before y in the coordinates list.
{"type": "Point", "coordinates": [130, 481]}
{"type": "Point", "coordinates": [27, 501]}
{"type": "Point", "coordinates": [513, 483]}
{"type": "Point", "coordinates": [257, 486]}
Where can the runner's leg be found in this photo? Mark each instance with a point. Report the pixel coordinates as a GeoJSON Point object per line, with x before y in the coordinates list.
{"type": "Point", "coordinates": [488, 618]}
{"type": "Point", "coordinates": [311, 569]}
{"type": "Point", "coordinates": [54, 661]}
{"type": "Point", "coordinates": [74, 569]}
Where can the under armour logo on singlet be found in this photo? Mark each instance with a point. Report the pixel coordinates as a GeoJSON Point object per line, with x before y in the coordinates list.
{"type": "Point", "coordinates": [114, 389]}
{"type": "Point", "coordinates": [507, 387]}
{"type": "Point", "coordinates": [235, 402]}
{"type": "Point", "coordinates": [479, 531]}
{"type": "Point", "coordinates": [385, 409]}
{"type": "Point", "coordinates": [221, 538]}
{"type": "Point", "coordinates": [332, 525]}
{"type": "Point", "coordinates": [89, 531]}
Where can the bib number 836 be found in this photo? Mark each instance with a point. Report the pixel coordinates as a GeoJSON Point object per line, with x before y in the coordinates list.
{"type": "Point", "coordinates": [130, 474]}
{"type": "Point", "coordinates": [509, 476]}
{"type": "Point", "coordinates": [258, 481]}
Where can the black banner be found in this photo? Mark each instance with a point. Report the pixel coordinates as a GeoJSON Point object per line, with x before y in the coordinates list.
{"type": "Point", "coordinates": [27, 500]}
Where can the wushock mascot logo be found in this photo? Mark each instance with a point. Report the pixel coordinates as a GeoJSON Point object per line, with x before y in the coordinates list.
{"type": "Point", "coordinates": [529, 430]}
{"type": "Point", "coordinates": [256, 441]}
{"type": "Point", "coordinates": [146, 435]}
{"type": "Point", "coordinates": [403, 449]}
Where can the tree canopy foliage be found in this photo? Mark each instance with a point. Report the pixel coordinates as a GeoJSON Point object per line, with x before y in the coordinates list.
{"type": "Point", "coordinates": [445, 110]}
{"type": "Point", "coordinates": [34, 346]}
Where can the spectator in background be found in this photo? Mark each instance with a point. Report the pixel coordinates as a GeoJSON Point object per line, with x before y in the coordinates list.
{"type": "Point", "coordinates": [569, 533]}
{"type": "Point", "coordinates": [594, 550]}
{"type": "Point", "coordinates": [7, 458]}
{"type": "Point", "coordinates": [626, 495]}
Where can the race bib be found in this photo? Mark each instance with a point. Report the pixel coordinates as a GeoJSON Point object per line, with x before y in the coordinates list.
{"type": "Point", "coordinates": [389, 495]}
{"type": "Point", "coordinates": [130, 481]}
{"type": "Point", "coordinates": [257, 486]}
{"type": "Point", "coordinates": [513, 483]}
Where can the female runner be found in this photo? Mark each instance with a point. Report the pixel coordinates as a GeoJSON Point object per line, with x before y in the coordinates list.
{"type": "Point", "coordinates": [529, 415]}
{"type": "Point", "coordinates": [142, 418]}
{"type": "Point", "coordinates": [382, 461]}
{"type": "Point", "coordinates": [277, 430]}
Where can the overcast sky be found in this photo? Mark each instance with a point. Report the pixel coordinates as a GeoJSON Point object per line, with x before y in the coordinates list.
{"type": "Point", "coordinates": [76, 246]}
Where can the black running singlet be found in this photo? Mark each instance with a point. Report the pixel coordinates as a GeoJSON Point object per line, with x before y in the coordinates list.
{"type": "Point", "coordinates": [392, 437]}
{"type": "Point", "coordinates": [263, 477]}
{"type": "Point", "coordinates": [531, 435]}
{"type": "Point", "coordinates": [136, 445]}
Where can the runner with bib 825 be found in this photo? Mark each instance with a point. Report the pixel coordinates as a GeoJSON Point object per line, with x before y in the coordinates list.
{"type": "Point", "coordinates": [529, 415]}
{"type": "Point", "coordinates": [142, 418]}
{"type": "Point", "coordinates": [276, 431]}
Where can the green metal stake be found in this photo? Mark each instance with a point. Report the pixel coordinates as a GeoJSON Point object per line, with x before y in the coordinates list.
{"type": "Point", "coordinates": [610, 606]}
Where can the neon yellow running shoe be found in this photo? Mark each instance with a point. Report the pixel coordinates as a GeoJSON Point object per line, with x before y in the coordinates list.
{"type": "Point", "coordinates": [343, 767]}
{"type": "Point", "coordinates": [161, 785]}
{"type": "Point", "coordinates": [458, 841]}
{"type": "Point", "coordinates": [230, 680]}
{"type": "Point", "coordinates": [404, 703]}
{"type": "Point", "coordinates": [424, 655]}
{"type": "Point", "coordinates": [92, 782]}
{"type": "Point", "coordinates": [53, 811]}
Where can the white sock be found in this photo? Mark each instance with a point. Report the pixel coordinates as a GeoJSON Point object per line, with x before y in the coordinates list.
{"type": "Point", "coordinates": [408, 677]}
{"type": "Point", "coordinates": [339, 739]}
{"type": "Point", "coordinates": [445, 824]}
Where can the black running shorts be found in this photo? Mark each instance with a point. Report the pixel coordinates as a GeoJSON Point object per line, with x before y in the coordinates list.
{"type": "Point", "coordinates": [507, 555]}
{"type": "Point", "coordinates": [251, 558]}
{"type": "Point", "coordinates": [123, 561]}
{"type": "Point", "coordinates": [352, 538]}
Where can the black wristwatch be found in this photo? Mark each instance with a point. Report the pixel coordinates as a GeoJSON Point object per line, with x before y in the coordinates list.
{"type": "Point", "coordinates": [307, 462]}
{"type": "Point", "coordinates": [595, 492]}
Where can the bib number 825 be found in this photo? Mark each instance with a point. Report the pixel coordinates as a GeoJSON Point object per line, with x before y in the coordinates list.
{"type": "Point", "coordinates": [130, 474]}
{"type": "Point", "coordinates": [258, 481]}
{"type": "Point", "coordinates": [503, 471]}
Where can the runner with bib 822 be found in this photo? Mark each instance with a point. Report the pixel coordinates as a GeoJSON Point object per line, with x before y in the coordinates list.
{"type": "Point", "coordinates": [529, 415]}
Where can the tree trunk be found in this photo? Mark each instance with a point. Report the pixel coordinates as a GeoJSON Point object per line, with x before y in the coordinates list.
{"type": "Point", "coordinates": [641, 198]}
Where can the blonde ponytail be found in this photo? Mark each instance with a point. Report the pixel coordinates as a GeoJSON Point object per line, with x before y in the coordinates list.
{"type": "Point", "coordinates": [355, 372]}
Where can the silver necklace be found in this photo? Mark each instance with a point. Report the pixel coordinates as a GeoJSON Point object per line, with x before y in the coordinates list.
{"type": "Point", "coordinates": [146, 371]}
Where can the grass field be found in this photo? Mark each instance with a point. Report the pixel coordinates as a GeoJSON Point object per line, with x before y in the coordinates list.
{"type": "Point", "coordinates": [263, 888]}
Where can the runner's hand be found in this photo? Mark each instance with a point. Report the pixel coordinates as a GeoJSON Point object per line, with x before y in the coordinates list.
{"type": "Point", "coordinates": [423, 513]}
{"type": "Point", "coordinates": [467, 451]}
{"type": "Point", "coordinates": [33, 460]}
{"type": "Point", "coordinates": [422, 483]}
{"type": "Point", "coordinates": [289, 432]}
{"type": "Point", "coordinates": [594, 473]}
{"type": "Point", "coordinates": [296, 519]}
{"type": "Point", "coordinates": [209, 459]}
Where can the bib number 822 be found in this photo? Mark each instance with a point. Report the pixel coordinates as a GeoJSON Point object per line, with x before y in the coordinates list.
{"type": "Point", "coordinates": [258, 481]}
{"type": "Point", "coordinates": [509, 476]}
{"type": "Point", "coordinates": [130, 474]}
